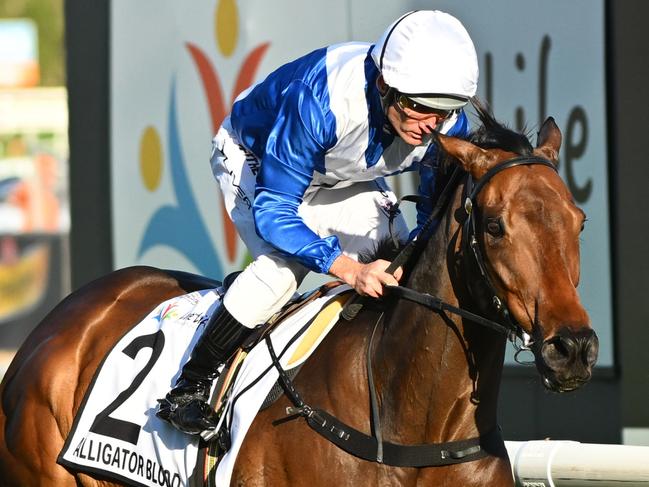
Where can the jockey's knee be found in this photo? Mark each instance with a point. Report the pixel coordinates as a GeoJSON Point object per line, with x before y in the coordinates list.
{"type": "Point", "coordinates": [263, 287]}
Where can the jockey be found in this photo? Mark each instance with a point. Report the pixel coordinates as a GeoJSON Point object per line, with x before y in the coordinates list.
{"type": "Point", "coordinates": [301, 162]}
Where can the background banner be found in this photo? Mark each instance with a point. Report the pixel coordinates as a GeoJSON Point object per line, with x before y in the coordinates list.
{"type": "Point", "coordinates": [175, 71]}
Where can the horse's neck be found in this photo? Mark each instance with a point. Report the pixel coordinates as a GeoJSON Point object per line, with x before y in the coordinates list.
{"type": "Point", "coordinates": [440, 377]}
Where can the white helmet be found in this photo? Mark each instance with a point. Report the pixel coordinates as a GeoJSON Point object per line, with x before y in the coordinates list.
{"type": "Point", "coordinates": [429, 54]}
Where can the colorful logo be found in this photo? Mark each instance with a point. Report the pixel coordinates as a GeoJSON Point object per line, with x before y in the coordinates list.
{"type": "Point", "coordinates": [190, 236]}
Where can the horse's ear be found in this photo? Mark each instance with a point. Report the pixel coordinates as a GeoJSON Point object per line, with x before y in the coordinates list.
{"type": "Point", "coordinates": [549, 140]}
{"type": "Point", "coordinates": [472, 158]}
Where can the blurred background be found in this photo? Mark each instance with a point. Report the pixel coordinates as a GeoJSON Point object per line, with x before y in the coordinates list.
{"type": "Point", "coordinates": [34, 199]}
{"type": "Point", "coordinates": [107, 110]}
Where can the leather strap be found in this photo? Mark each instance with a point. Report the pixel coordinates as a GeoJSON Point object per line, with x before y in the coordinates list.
{"type": "Point", "coordinates": [435, 303]}
{"type": "Point", "coordinates": [397, 455]}
{"type": "Point", "coordinates": [372, 449]}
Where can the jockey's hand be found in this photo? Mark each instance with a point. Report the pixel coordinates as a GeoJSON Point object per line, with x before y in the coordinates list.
{"type": "Point", "coordinates": [366, 279]}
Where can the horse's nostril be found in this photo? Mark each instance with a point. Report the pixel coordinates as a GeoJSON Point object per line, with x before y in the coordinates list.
{"type": "Point", "coordinates": [558, 351]}
{"type": "Point", "coordinates": [567, 350]}
{"type": "Point", "coordinates": [566, 346]}
{"type": "Point", "coordinates": [568, 358]}
{"type": "Point", "coordinates": [591, 350]}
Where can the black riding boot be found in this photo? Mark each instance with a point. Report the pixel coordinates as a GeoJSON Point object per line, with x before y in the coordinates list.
{"type": "Point", "coordinates": [186, 405]}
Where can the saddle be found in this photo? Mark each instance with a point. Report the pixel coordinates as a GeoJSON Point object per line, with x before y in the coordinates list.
{"type": "Point", "coordinates": [229, 373]}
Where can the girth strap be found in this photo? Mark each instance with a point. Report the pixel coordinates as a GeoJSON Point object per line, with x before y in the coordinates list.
{"type": "Point", "coordinates": [396, 455]}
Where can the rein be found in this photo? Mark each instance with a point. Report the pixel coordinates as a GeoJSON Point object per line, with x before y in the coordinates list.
{"type": "Point", "coordinates": [373, 448]}
{"type": "Point", "coordinates": [356, 303]}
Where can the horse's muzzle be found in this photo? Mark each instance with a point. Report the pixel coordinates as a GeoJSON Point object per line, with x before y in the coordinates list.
{"type": "Point", "coordinates": [566, 360]}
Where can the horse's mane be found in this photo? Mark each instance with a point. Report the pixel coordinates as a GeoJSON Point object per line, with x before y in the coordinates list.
{"type": "Point", "coordinates": [493, 134]}
{"type": "Point", "coordinates": [383, 249]}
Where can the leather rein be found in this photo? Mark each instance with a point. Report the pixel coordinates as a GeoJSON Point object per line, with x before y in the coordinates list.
{"type": "Point", "coordinates": [373, 448]}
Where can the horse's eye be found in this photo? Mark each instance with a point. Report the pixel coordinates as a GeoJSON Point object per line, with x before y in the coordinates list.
{"type": "Point", "coordinates": [495, 227]}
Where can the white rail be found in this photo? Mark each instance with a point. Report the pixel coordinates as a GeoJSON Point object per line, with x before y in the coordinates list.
{"type": "Point", "coordinates": [546, 463]}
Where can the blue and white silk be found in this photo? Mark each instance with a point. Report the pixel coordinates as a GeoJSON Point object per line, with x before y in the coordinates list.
{"type": "Point", "coordinates": [314, 123]}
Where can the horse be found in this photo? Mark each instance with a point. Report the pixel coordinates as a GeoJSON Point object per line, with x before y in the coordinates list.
{"type": "Point", "coordinates": [435, 374]}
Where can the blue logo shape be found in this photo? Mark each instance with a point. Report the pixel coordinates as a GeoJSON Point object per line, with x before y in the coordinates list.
{"type": "Point", "coordinates": [181, 227]}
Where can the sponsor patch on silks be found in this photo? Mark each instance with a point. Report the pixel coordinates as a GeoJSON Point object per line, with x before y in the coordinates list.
{"type": "Point", "coordinates": [116, 433]}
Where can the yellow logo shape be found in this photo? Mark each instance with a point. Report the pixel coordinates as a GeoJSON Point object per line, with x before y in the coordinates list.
{"type": "Point", "coordinates": [150, 158]}
{"type": "Point", "coordinates": [227, 26]}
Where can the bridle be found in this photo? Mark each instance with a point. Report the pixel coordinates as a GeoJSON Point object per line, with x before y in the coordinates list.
{"type": "Point", "coordinates": [473, 254]}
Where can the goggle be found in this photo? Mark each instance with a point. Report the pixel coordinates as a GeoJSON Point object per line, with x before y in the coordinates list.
{"type": "Point", "coordinates": [404, 101]}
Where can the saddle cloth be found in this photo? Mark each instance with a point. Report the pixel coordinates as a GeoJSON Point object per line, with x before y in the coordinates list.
{"type": "Point", "coordinates": [116, 433]}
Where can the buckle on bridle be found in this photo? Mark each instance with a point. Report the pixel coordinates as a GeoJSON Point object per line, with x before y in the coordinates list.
{"type": "Point", "coordinates": [468, 206]}
{"type": "Point", "coordinates": [525, 345]}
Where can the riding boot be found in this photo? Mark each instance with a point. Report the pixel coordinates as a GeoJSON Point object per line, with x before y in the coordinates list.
{"type": "Point", "coordinates": [186, 405]}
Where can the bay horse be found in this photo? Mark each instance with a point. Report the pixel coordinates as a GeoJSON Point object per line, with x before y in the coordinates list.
{"type": "Point", "coordinates": [436, 374]}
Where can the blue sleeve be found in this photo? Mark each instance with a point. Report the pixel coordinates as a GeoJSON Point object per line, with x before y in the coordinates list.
{"type": "Point", "coordinates": [428, 169]}
{"type": "Point", "coordinates": [296, 146]}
